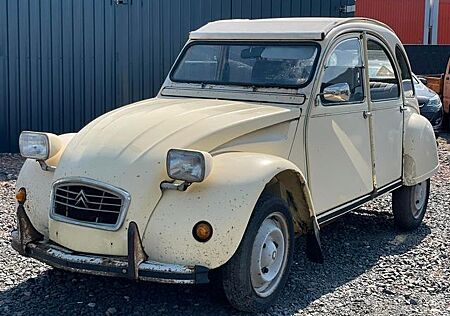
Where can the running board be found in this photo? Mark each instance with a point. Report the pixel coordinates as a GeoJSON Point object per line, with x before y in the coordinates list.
{"type": "Point", "coordinates": [333, 214]}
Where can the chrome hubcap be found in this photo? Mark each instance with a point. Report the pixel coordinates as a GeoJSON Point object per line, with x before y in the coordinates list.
{"type": "Point", "coordinates": [269, 254]}
{"type": "Point", "coordinates": [420, 193]}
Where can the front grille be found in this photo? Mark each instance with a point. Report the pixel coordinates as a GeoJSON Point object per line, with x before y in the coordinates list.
{"type": "Point", "coordinates": [85, 203]}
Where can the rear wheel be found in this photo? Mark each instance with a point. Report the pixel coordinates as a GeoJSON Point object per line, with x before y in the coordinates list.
{"type": "Point", "coordinates": [256, 274]}
{"type": "Point", "coordinates": [409, 204]}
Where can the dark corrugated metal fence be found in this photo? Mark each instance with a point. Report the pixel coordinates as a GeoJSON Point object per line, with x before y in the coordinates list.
{"type": "Point", "coordinates": [65, 62]}
{"type": "Point", "coordinates": [428, 59]}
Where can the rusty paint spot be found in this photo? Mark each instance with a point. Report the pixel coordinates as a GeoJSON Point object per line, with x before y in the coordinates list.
{"type": "Point", "coordinates": [409, 168]}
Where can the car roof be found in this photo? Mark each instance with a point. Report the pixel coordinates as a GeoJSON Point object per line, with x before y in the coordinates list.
{"type": "Point", "coordinates": [273, 29]}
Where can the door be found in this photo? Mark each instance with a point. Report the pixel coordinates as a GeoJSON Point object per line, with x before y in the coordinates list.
{"type": "Point", "coordinates": [338, 141]}
{"type": "Point", "coordinates": [387, 116]}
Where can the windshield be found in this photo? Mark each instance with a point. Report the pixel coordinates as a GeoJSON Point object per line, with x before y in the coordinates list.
{"type": "Point", "coordinates": [259, 64]}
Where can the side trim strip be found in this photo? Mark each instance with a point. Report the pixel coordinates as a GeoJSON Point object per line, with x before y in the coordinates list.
{"type": "Point", "coordinates": [340, 210]}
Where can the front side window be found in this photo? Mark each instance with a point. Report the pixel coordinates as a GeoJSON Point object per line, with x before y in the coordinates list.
{"type": "Point", "coordinates": [343, 74]}
{"type": "Point", "coordinates": [269, 65]}
{"type": "Point", "coordinates": [382, 78]}
{"type": "Point", "coordinates": [408, 86]}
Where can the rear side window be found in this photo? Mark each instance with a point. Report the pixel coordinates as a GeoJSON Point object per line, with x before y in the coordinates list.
{"type": "Point", "coordinates": [382, 77]}
{"type": "Point", "coordinates": [344, 66]}
{"type": "Point", "coordinates": [407, 81]}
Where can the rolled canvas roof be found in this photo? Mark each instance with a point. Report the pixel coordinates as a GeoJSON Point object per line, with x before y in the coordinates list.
{"type": "Point", "coordinates": [282, 28]}
{"type": "Point", "coordinates": [272, 29]}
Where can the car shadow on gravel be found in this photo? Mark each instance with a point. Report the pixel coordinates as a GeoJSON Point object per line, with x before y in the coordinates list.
{"type": "Point", "coordinates": [352, 245]}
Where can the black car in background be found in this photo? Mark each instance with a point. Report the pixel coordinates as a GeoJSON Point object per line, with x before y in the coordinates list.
{"type": "Point", "coordinates": [429, 102]}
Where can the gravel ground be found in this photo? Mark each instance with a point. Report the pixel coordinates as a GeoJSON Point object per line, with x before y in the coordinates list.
{"type": "Point", "coordinates": [370, 269]}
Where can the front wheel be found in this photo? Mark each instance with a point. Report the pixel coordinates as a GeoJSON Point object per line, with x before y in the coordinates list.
{"type": "Point", "coordinates": [409, 204]}
{"type": "Point", "coordinates": [257, 272]}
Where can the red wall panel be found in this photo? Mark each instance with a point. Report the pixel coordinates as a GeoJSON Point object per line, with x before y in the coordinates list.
{"type": "Point", "coordinates": [405, 17]}
{"type": "Point", "coordinates": [444, 22]}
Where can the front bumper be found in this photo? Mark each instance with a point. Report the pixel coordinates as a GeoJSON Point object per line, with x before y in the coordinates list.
{"type": "Point", "coordinates": [135, 266]}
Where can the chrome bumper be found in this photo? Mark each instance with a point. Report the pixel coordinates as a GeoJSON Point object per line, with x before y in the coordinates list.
{"type": "Point", "coordinates": [134, 266]}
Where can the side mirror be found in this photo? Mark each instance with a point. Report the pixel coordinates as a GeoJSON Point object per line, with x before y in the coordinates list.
{"type": "Point", "coordinates": [423, 80]}
{"type": "Point", "coordinates": [338, 92]}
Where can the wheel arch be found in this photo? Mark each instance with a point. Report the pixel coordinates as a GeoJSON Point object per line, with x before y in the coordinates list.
{"type": "Point", "coordinates": [290, 185]}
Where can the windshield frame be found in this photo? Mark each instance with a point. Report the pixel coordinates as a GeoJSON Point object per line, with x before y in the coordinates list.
{"type": "Point", "coordinates": [250, 42]}
{"type": "Point", "coordinates": [416, 80]}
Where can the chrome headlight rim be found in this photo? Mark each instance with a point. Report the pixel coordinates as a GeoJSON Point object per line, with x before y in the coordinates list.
{"type": "Point", "coordinates": [203, 163]}
{"type": "Point", "coordinates": [46, 139]}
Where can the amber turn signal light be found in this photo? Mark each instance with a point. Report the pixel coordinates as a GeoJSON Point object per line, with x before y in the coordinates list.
{"type": "Point", "coordinates": [21, 195]}
{"type": "Point", "coordinates": [202, 231]}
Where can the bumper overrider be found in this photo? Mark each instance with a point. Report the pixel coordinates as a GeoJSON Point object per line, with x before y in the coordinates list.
{"type": "Point", "coordinates": [29, 242]}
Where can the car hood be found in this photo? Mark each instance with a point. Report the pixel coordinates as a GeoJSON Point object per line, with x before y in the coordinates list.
{"type": "Point", "coordinates": [149, 128]}
{"type": "Point", "coordinates": [127, 148]}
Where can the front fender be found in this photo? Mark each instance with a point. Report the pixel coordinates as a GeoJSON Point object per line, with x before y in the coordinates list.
{"type": "Point", "coordinates": [420, 158]}
{"type": "Point", "coordinates": [226, 200]}
{"type": "Point", "coordinates": [38, 184]}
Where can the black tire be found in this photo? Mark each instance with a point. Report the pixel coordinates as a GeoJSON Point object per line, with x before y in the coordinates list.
{"type": "Point", "coordinates": [236, 273]}
{"type": "Point", "coordinates": [408, 212]}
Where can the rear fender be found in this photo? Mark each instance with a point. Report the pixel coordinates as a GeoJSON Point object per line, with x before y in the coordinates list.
{"type": "Point", "coordinates": [420, 158]}
{"type": "Point", "coordinates": [226, 200]}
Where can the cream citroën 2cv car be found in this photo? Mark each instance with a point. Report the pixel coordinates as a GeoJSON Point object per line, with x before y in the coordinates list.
{"type": "Point", "coordinates": [263, 130]}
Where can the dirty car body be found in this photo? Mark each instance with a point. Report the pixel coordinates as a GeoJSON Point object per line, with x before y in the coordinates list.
{"type": "Point", "coordinates": [280, 112]}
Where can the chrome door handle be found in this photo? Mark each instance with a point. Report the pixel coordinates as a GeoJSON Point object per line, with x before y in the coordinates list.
{"type": "Point", "coordinates": [367, 114]}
